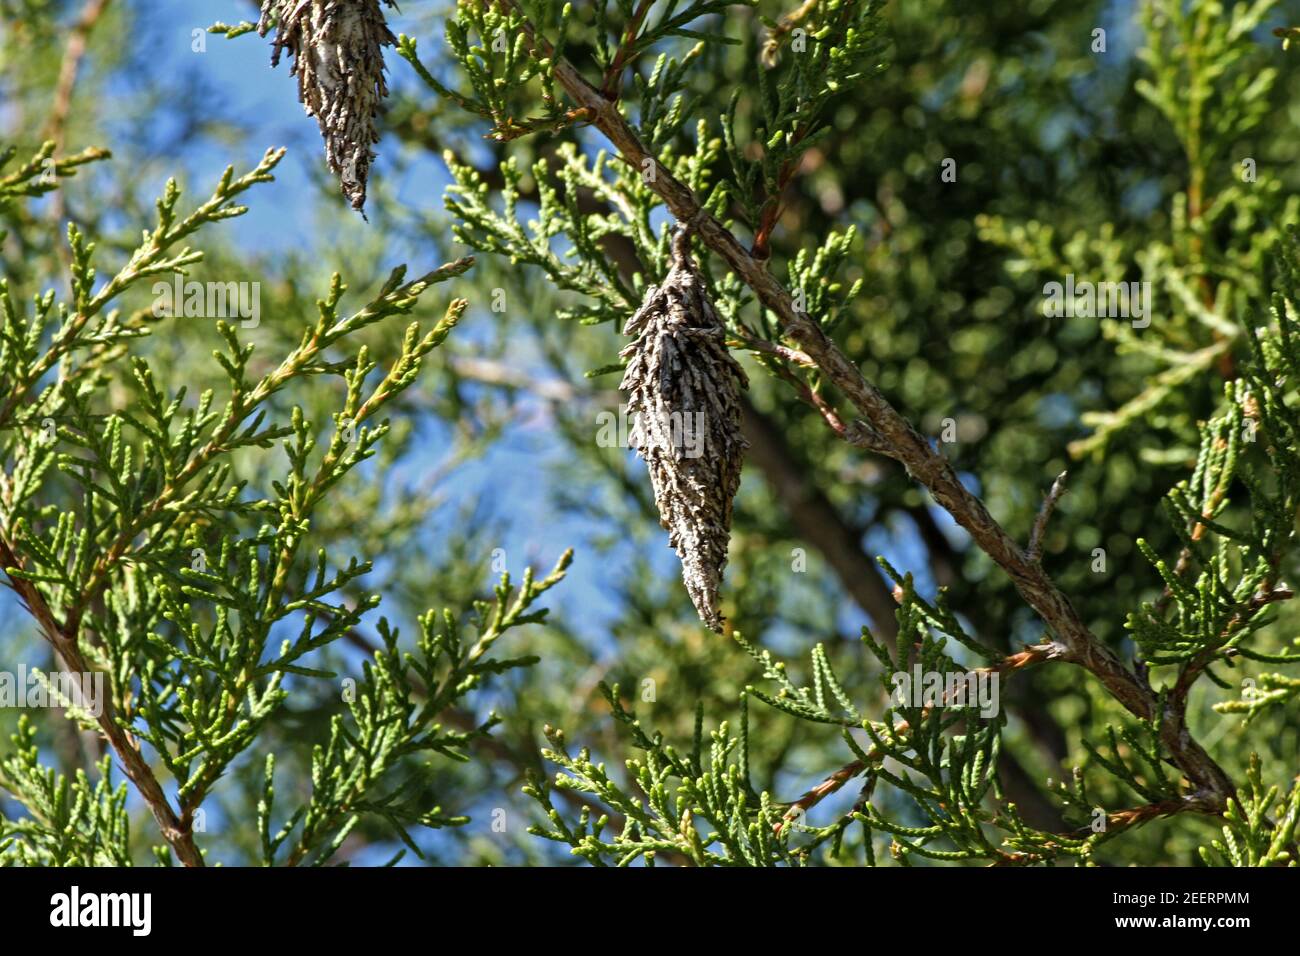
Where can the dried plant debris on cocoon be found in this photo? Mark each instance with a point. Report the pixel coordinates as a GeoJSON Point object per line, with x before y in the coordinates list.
{"type": "Point", "coordinates": [683, 390]}
{"type": "Point", "coordinates": [337, 49]}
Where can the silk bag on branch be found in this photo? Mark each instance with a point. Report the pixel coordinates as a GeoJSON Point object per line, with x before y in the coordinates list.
{"type": "Point", "coordinates": [683, 390]}
{"type": "Point", "coordinates": [337, 49]}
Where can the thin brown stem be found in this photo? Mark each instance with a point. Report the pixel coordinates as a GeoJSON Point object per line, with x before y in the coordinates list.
{"type": "Point", "coordinates": [1035, 549]}
{"type": "Point", "coordinates": [56, 124]}
{"type": "Point", "coordinates": [613, 81]}
{"type": "Point", "coordinates": [175, 831]}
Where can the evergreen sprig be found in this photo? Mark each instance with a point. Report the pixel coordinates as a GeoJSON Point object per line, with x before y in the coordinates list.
{"type": "Point", "coordinates": [196, 596]}
{"type": "Point", "coordinates": [69, 821]}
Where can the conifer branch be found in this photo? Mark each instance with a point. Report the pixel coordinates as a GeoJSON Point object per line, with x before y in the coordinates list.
{"type": "Point", "coordinates": [890, 433]}
{"type": "Point", "coordinates": [177, 833]}
{"type": "Point", "coordinates": [1034, 654]}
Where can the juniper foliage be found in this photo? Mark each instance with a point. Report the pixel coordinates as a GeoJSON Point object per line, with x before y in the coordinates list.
{"type": "Point", "coordinates": [702, 806]}
{"type": "Point", "coordinates": [196, 595]}
{"type": "Point", "coordinates": [805, 146]}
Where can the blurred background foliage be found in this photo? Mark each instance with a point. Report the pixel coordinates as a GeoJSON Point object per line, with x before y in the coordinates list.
{"type": "Point", "coordinates": [1066, 162]}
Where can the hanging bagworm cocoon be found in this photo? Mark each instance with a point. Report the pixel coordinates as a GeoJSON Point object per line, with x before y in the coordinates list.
{"type": "Point", "coordinates": [337, 49]}
{"type": "Point", "coordinates": [684, 398]}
